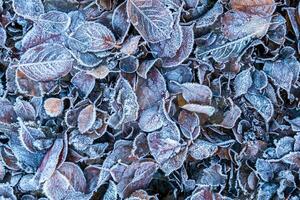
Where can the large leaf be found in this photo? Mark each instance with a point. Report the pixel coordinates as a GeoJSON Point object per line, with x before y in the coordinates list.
{"type": "Point", "coordinates": [151, 18]}
{"type": "Point", "coordinates": [46, 62]}
{"type": "Point", "coordinates": [221, 49]}
{"type": "Point", "coordinates": [37, 35]}
{"type": "Point", "coordinates": [238, 25]}
{"type": "Point", "coordinates": [257, 7]}
{"type": "Point", "coordinates": [29, 9]}
{"type": "Point", "coordinates": [92, 37]}
{"type": "Point", "coordinates": [54, 21]}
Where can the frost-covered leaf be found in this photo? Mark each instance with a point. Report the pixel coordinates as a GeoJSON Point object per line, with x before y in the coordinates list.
{"type": "Point", "coordinates": [127, 100]}
{"type": "Point", "coordinates": [29, 9]}
{"type": "Point", "coordinates": [237, 25]}
{"type": "Point", "coordinates": [284, 146]}
{"type": "Point", "coordinates": [292, 158]}
{"type": "Point", "coordinates": [260, 79]}
{"type": "Point", "coordinates": [57, 186]}
{"type": "Point", "coordinates": [28, 135]}
{"type": "Point", "coordinates": [202, 149]}
{"type": "Point", "coordinates": [169, 47]}
{"type": "Point", "coordinates": [7, 113]}
{"type": "Point", "coordinates": [264, 169]}
{"type": "Point", "coordinates": [208, 110]}
{"type": "Point", "coordinates": [211, 16]}
{"type": "Point", "coordinates": [295, 123]}
{"type": "Point", "coordinates": [213, 176]}
{"type": "Point", "coordinates": [54, 21]}
{"type": "Point", "coordinates": [242, 82]}
{"type": "Point", "coordinates": [53, 106]}
{"type": "Point", "coordinates": [100, 72]}
{"type": "Point", "coordinates": [230, 117]}
{"type": "Point", "coordinates": [151, 18]}
{"type": "Point", "coordinates": [74, 175]}
{"type": "Point", "coordinates": [140, 145]}
{"type": "Point", "coordinates": [86, 118]}
{"type": "Point", "coordinates": [151, 90]}
{"type": "Point", "coordinates": [36, 36]}
{"type": "Point", "coordinates": [3, 37]}
{"type": "Point", "coordinates": [256, 7]}
{"type": "Point", "coordinates": [189, 124]}
{"type": "Point", "coordinates": [283, 72]}
{"type": "Point", "coordinates": [136, 176]}
{"type": "Point", "coordinates": [7, 192]}
{"type": "Point", "coordinates": [165, 148]}
{"type": "Point", "coordinates": [129, 64]}
{"type": "Point", "coordinates": [145, 67]}
{"type": "Point", "coordinates": [120, 22]}
{"type": "Point", "coordinates": [24, 110]}
{"type": "Point", "coordinates": [151, 119]}
{"type": "Point", "coordinates": [84, 82]}
{"type": "Point", "coordinates": [122, 152]}
{"type": "Point", "coordinates": [196, 93]}
{"type": "Point", "coordinates": [184, 50]}
{"type": "Point", "coordinates": [46, 62]}
{"type": "Point", "coordinates": [92, 37]}
{"type": "Point", "coordinates": [262, 104]}
{"type": "Point", "coordinates": [50, 161]}
{"type": "Point", "coordinates": [111, 192]}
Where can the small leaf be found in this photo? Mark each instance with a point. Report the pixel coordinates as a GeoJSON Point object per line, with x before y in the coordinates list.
{"type": "Point", "coordinates": [203, 109]}
{"type": "Point", "coordinates": [295, 123]}
{"type": "Point", "coordinates": [211, 16]}
{"type": "Point", "coordinates": [86, 118]}
{"type": "Point", "coordinates": [128, 104]}
{"type": "Point", "coordinates": [46, 62]}
{"type": "Point", "coordinates": [3, 37]}
{"type": "Point", "coordinates": [53, 106]}
{"type": "Point", "coordinates": [54, 21]}
{"type": "Point", "coordinates": [151, 18]}
{"type": "Point", "coordinates": [136, 176]}
{"type": "Point", "coordinates": [7, 113]}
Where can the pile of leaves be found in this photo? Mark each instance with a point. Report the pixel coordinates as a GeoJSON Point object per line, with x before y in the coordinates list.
{"type": "Point", "coordinates": [149, 99]}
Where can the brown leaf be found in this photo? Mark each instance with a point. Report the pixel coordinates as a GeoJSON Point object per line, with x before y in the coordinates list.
{"type": "Point", "coordinates": [256, 7]}
{"type": "Point", "coordinates": [53, 106]}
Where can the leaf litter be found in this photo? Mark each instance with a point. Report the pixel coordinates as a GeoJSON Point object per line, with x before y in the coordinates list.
{"type": "Point", "coordinates": [149, 99]}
